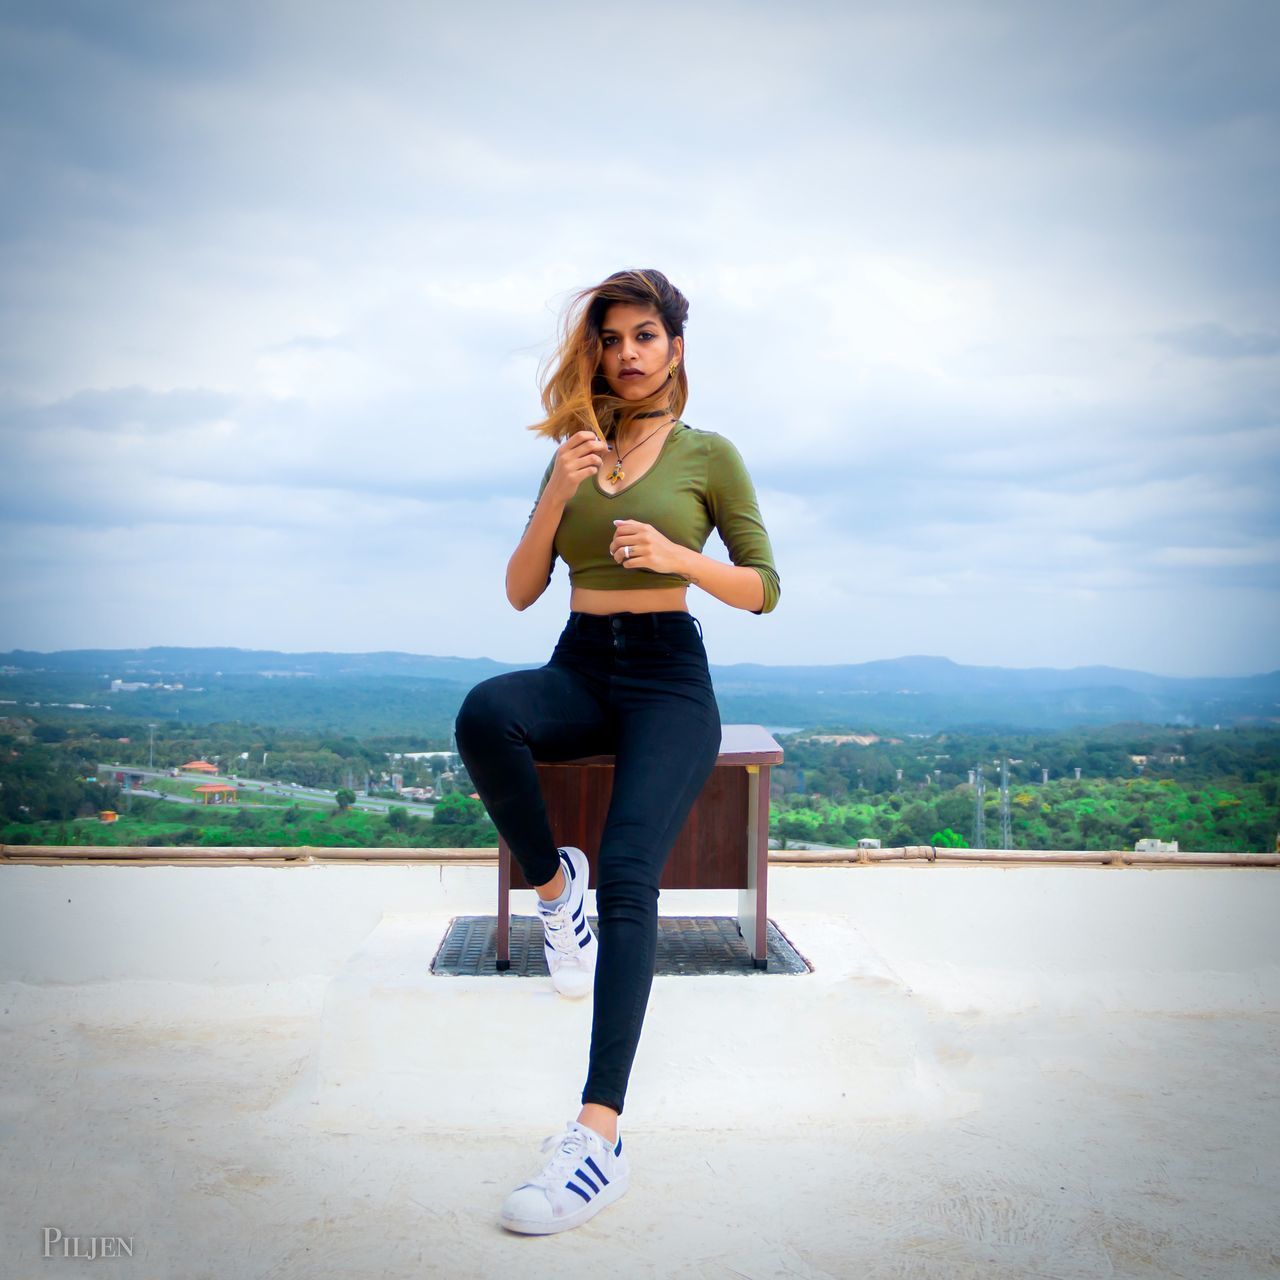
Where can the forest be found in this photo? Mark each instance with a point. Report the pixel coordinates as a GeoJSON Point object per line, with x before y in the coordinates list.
{"type": "Point", "coordinates": [1099, 788]}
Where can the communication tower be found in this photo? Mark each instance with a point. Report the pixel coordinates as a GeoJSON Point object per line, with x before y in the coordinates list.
{"type": "Point", "coordinates": [1006, 841]}
{"type": "Point", "coordinates": [979, 819]}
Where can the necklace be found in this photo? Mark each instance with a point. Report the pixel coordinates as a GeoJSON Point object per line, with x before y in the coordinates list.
{"type": "Point", "coordinates": [617, 473]}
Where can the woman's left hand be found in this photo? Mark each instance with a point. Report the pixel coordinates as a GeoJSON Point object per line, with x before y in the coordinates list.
{"type": "Point", "coordinates": [649, 549]}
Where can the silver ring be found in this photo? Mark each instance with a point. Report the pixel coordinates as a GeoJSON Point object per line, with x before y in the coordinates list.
{"type": "Point", "coordinates": [626, 553]}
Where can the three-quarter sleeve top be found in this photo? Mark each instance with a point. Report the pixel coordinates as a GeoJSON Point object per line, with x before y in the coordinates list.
{"type": "Point", "coordinates": [697, 483]}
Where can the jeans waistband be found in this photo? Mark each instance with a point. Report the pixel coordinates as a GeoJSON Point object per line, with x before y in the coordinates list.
{"type": "Point", "coordinates": [652, 623]}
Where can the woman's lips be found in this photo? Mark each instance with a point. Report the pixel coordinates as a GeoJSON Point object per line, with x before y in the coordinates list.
{"type": "Point", "coordinates": [631, 373]}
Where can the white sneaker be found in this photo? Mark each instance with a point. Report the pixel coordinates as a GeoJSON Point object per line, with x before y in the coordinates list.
{"type": "Point", "coordinates": [585, 1173]}
{"type": "Point", "coordinates": [568, 942]}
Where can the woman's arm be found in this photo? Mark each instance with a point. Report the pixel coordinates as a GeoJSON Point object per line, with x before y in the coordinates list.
{"type": "Point", "coordinates": [531, 563]}
{"type": "Point", "coordinates": [751, 582]}
{"type": "Point", "coordinates": [742, 586]}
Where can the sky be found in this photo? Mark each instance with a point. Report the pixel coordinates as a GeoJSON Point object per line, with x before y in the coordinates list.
{"type": "Point", "coordinates": [987, 295]}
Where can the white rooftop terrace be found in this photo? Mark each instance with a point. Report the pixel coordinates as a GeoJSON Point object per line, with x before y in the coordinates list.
{"type": "Point", "coordinates": [994, 1070]}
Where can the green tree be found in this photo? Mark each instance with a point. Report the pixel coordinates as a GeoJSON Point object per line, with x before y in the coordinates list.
{"type": "Point", "coordinates": [918, 819]}
{"type": "Point", "coordinates": [345, 798]}
{"type": "Point", "coordinates": [458, 809]}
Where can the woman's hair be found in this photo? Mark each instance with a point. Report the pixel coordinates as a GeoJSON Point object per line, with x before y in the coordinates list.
{"type": "Point", "coordinates": [575, 394]}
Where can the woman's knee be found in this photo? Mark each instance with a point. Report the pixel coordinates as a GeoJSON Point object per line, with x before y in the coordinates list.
{"type": "Point", "coordinates": [482, 713]}
{"type": "Point", "coordinates": [638, 906]}
{"type": "Point", "coordinates": [627, 888]}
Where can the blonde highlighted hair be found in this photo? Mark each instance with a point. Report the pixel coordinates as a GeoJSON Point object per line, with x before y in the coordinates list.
{"type": "Point", "coordinates": [575, 394]}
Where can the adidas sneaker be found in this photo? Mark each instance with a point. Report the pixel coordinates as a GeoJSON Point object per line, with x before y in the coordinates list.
{"type": "Point", "coordinates": [585, 1173]}
{"type": "Point", "coordinates": [568, 942]}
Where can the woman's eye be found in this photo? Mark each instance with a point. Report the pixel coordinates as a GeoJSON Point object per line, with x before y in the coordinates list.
{"type": "Point", "coordinates": [609, 341]}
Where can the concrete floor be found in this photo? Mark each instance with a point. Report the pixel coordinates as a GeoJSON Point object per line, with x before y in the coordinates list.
{"type": "Point", "coordinates": [992, 1072]}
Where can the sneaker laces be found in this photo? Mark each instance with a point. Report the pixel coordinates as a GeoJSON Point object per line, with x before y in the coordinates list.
{"type": "Point", "coordinates": [572, 1144]}
{"type": "Point", "coordinates": [558, 925]}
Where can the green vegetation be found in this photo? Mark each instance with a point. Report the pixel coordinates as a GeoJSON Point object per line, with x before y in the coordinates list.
{"type": "Point", "coordinates": [55, 779]}
{"type": "Point", "coordinates": [1101, 814]}
{"type": "Point", "coordinates": [1211, 790]}
{"type": "Point", "coordinates": [157, 822]}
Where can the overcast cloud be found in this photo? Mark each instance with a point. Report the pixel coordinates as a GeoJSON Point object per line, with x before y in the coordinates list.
{"type": "Point", "coordinates": [986, 295]}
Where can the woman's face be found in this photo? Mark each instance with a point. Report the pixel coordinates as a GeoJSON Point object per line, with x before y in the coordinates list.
{"type": "Point", "coordinates": [637, 352]}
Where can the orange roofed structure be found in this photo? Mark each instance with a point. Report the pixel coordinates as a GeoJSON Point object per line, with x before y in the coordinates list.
{"type": "Point", "coordinates": [215, 792]}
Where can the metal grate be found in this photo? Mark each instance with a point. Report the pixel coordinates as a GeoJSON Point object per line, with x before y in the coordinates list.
{"type": "Point", "coordinates": [686, 944]}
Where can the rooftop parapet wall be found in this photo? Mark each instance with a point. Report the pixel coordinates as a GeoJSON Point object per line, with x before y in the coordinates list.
{"type": "Point", "coordinates": [925, 854]}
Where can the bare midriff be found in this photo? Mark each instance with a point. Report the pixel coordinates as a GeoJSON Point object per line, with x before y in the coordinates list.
{"type": "Point", "coordinates": [638, 600]}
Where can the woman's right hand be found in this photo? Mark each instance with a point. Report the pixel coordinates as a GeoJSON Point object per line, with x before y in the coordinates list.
{"type": "Point", "coordinates": [577, 458]}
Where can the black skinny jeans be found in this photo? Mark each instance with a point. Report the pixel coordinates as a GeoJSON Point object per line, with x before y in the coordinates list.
{"type": "Point", "coordinates": [637, 686]}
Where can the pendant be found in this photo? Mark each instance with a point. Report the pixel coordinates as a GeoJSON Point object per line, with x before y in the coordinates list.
{"type": "Point", "coordinates": [616, 474]}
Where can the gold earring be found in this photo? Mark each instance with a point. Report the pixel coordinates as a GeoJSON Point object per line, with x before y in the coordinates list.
{"type": "Point", "coordinates": [671, 373]}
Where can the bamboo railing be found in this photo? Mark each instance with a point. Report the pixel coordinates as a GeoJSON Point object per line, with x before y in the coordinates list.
{"type": "Point", "coordinates": [307, 855]}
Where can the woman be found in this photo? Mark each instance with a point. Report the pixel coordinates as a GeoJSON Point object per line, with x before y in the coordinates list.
{"type": "Point", "coordinates": [628, 501]}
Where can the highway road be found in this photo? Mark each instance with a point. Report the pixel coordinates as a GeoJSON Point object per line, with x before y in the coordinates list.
{"type": "Point", "coordinates": [251, 786]}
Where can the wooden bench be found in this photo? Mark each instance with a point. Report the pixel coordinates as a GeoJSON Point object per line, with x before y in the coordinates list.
{"type": "Point", "coordinates": [724, 843]}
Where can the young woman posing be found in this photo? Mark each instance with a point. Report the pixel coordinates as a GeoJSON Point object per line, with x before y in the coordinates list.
{"type": "Point", "coordinates": [628, 500]}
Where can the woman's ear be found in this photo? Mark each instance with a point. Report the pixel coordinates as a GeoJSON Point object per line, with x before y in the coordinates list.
{"type": "Point", "coordinates": [677, 349]}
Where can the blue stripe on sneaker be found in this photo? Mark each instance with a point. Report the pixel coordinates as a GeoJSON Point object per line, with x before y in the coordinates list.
{"type": "Point", "coordinates": [577, 915]}
{"type": "Point", "coordinates": [573, 1186]}
{"type": "Point", "coordinates": [617, 1151]}
{"type": "Point", "coordinates": [582, 1173]}
{"type": "Point", "coordinates": [586, 942]}
{"type": "Point", "coordinates": [568, 865]}
{"type": "Point", "coordinates": [596, 1167]}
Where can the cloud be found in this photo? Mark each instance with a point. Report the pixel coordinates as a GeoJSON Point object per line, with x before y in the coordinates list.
{"type": "Point", "coordinates": [1215, 342]}
{"type": "Point", "coordinates": [986, 295]}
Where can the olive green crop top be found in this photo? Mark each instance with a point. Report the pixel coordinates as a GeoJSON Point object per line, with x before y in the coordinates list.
{"type": "Point", "coordinates": [697, 482]}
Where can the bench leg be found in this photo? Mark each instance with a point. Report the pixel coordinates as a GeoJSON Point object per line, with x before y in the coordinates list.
{"type": "Point", "coordinates": [503, 926]}
{"type": "Point", "coordinates": [753, 901]}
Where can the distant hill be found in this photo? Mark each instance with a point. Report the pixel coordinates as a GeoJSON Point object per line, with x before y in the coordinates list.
{"type": "Point", "coordinates": [391, 692]}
